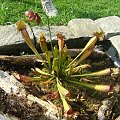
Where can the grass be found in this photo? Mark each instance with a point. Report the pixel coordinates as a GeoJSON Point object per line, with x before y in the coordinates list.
{"type": "Point", "coordinates": [13, 10]}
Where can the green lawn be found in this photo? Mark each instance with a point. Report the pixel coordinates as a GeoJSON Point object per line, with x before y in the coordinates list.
{"type": "Point", "coordinates": [13, 10]}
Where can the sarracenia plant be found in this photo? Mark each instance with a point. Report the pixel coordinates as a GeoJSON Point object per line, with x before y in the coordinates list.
{"type": "Point", "coordinates": [62, 69]}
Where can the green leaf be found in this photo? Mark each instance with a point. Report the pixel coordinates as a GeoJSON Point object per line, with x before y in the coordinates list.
{"type": "Point", "coordinates": [64, 54]}
{"type": "Point", "coordinates": [107, 71]}
{"type": "Point", "coordinates": [22, 27]}
{"type": "Point", "coordinates": [70, 70]}
{"type": "Point", "coordinates": [61, 92]}
{"type": "Point", "coordinates": [55, 52]}
{"type": "Point", "coordinates": [82, 84]}
{"type": "Point", "coordinates": [55, 65]}
{"type": "Point", "coordinates": [42, 72]}
{"type": "Point", "coordinates": [101, 88]}
{"type": "Point", "coordinates": [48, 58]}
{"type": "Point", "coordinates": [85, 52]}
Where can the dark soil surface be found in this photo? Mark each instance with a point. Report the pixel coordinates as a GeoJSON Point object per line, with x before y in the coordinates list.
{"type": "Point", "coordinates": [87, 103]}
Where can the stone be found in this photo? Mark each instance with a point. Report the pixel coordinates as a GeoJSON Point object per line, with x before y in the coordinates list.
{"type": "Point", "coordinates": [9, 35]}
{"type": "Point", "coordinates": [77, 33]}
{"type": "Point", "coordinates": [118, 118]}
{"type": "Point", "coordinates": [12, 42]}
{"type": "Point", "coordinates": [54, 30]}
{"type": "Point", "coordinates": [7, 117]}
{"type": "Point", "coordinates": [110, 25]}
{"type": "Point", "coordinates": [83, 27]}
{"type": "Point", "coordinates": [11, 39]}
{"type": "Point", "coordinates": [10, 85]}
{"type": "Point", "coordinates": [115, 40]}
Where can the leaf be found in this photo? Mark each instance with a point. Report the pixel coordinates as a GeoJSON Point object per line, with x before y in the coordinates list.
{"type": "Point", "coordinates": [66, 106]}
{"type": "Point", "coordinates": [62, 90]}
{"type": "Point", "coordinates": [55, 65]}
{"type": "Point", "coordinates": [25, 78]}
{"type": "Point", "coordinates": [86, 51]}
{"type": "Point", "coordinates": [55, 52]}
{"type": "Point", "coordinates": [70, 70]}
{"type": "Point", "coordinates": [64, 54]}
{"type": "Point", "coordinates": [43, 44]}
{"type": "Point", "coordinates": [101, 88]}
{"type": "Point", "coordinates": [99, 35]}
{"type": "Point", "coordinates": [61, 39]}
{"type": "Point", "coordinates": [79, 68]}
{"type": "Point", "coordinates": [108, 71]}
{"type": "Point", "coordinates": [42, 72]}
{"type": "Point", "coordinates": [48, 81]}
{"type": "Point", "coordinates": [21, 27]}
{"type": "Point", "coordinates": [48, 58]}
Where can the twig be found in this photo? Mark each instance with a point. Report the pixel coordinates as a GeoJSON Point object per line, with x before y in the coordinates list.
{"type": "Point", "coordinates": [32, 59]}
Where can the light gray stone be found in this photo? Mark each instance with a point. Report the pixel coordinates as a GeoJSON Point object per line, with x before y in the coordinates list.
{"type": "Point", "coordinates": [9, 84]}
{"type": "Point", "coordinates": [110, 25]}
{"type": "Point", "coordinates": [10, 36]}
{"type": "Point", "coordinates": [11, 40]}
{"type": "Point", "coordinates": [83, 27]}
{"type": "Point", "coordinates": [115, 40]}
{"type": "Point", "coordinates": [77, 33]}
{"type": "Point", "coordinates": [7, 117]}
{"type": "Point", "coordinates": [54, 30]}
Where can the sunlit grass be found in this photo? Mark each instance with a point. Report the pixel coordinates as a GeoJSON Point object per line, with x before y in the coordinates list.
{"type": "Point", "coordinates": [12, 10]}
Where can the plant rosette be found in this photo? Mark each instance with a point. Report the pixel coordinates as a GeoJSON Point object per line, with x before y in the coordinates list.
{"type": "Point", "coordinates": [62, 69]}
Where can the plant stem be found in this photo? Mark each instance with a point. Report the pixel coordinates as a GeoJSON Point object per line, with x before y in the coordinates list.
{"type": "Point", "coordinates": [34, 38]}
{"type": "Point", "coordinates": [48, 22]}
